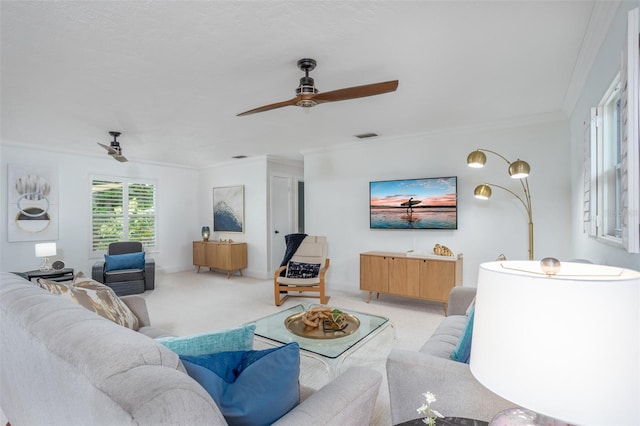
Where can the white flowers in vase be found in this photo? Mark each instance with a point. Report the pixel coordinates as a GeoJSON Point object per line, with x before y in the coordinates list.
{"type": "Point", "coordinates": [430, 414]}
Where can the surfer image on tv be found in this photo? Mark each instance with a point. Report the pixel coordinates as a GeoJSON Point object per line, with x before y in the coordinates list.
{"type": "Point", "coordinates": [409, 205]}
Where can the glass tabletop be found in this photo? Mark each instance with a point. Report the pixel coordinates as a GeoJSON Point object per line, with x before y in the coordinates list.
{"type": "Point", "coordinates": [273, 327]}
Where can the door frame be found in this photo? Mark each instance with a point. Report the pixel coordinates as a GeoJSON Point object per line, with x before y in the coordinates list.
{"type": "Point", "coordinates": [292, 216]}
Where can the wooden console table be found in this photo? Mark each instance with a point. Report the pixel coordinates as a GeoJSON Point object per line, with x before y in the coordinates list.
{"type": "Point", "coordinates": [428, 277]}
{"type": "Point", "coordinates": [223, 256]}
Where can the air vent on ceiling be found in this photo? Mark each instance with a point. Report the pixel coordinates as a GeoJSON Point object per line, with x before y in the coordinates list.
{"type": "Point", "coordinates": [366, 135]}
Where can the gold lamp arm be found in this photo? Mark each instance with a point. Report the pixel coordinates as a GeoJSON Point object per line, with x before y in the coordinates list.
{"type": "Point", "coordinates": [494, 153]}
{"type": "Point", "coordinates": [527, 206]}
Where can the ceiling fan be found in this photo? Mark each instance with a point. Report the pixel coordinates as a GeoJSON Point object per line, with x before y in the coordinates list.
{"type": "Point", "coordinates": [307, 95]}
{"type": "Point", "coordinates": [114, 148]}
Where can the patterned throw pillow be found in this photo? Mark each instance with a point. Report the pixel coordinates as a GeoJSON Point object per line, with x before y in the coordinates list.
{"type": "Point", "coordinates": [95, 297]}
{"type": "Point", "coordinates": [302, 270]}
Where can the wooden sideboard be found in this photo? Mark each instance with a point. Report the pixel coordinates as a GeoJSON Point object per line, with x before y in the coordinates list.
{"type": "Point", "coordinates": [428, 277]}
{"type": "Point", "coordinates": [221, 256]}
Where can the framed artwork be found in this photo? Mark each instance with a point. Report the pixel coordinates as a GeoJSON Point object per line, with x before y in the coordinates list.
{"type": "Point", "coordinates": [32, 202]}
{"type": "Point", "coordinates": [228, 209]}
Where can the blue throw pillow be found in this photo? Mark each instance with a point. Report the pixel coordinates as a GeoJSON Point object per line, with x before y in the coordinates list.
{"type": "Point", "coordinates": [116, 262]}
{"type": "Point", "coordinates": [232, 339]}
{"type": "Point", "coordinates": [250, 387]}
{"type": "Point", "coordinates": [302, 270]}
{"type": "Point", "coordinates": [462, 352]}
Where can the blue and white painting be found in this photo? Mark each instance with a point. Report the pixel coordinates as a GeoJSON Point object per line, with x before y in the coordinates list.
{"type": "Point", "coordinates": [228, 209]}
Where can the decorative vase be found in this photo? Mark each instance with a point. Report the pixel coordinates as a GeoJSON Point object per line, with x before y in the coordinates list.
{"type": "Point", "coordinates": [205, 233]}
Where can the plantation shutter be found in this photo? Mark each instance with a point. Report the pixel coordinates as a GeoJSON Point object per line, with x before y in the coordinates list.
{"type": "Point", "coordinates": [122, 210]}
{"type": "Point", "coordinates": [590, 176]}
{"type": "Point", "coordinates": [107, 213]}
{"type": "Point", "coordinates": [142, 214]}
{"type": "Point", "coordinates": [630, 143]}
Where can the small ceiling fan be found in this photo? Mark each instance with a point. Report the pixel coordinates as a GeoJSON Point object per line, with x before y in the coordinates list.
{"type": "Point", "coordinates": [114, 148]}
{"type": "Point", "coordinates": [307, 95]}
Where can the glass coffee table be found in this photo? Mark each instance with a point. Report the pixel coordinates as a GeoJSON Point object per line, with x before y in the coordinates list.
{"type": "Point", "coordinates": [331, 349]}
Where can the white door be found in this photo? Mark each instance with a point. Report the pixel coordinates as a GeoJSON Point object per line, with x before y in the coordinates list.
{"type": "Point", "coordinates": [281, 217]}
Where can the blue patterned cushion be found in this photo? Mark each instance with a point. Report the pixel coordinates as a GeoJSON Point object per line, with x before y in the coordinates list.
{"type": "Point", "coordinates": [232, 339]}
{"type": "Point", "coordinates": [462, 352]}
{"type": "Point", "coordinates": [250, 387]}
{"type": "Point", "coordinates": [302, 270]}
{"type": "Point", "coordinates": [117, 262]}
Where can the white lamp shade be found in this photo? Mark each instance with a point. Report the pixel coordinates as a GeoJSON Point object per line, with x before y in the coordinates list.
{"type": "Point", "coordinates": [566, 346]}
{"type": "Point", "coordinates": [45, 249]}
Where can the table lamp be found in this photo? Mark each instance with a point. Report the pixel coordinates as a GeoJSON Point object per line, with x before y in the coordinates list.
{"type": "Point", "coordinates": [566, 346]}
{"type": "Point", "coordinates": [45, 250]}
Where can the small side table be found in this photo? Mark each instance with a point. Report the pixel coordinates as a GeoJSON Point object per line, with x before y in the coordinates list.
{"type": "Point", "coordinates": [65, 274]}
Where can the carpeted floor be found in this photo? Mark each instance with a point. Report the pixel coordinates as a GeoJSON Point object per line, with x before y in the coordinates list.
{"type": "Point", "coordinates": [187, 302]}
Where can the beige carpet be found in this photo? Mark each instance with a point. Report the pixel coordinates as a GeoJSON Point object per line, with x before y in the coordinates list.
{"type": "Point", "coordinates": [186, 303]}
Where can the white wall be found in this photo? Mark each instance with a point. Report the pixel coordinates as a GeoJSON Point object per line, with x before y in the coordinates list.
{"type": "Point", "coordinates": [337, 196]}
{"type": "Point", "coordinates": [606, 66]}
{"type": "Point", "coordinates": [252, 174]}
{"type": "Point", "coordinates": [178, 210]}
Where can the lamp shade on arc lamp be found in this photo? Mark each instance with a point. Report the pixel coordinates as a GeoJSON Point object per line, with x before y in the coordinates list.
{"type": "Point", "coordinates": [566, 346]}
{"type": "Point", "coordinates": [482, 192]}
{"type": "Point", "coordinates": [519, 169]}
{"type": "Point", "coordinates": [476, 159]}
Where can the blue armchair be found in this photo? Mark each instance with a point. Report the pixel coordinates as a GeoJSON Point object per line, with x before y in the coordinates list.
{"type": "Point", "coordinates": [124, 271]}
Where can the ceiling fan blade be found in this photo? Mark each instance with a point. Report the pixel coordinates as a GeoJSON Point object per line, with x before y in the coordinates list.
{"type": "Point", "coordinates": [357, 92]}
{"type": "Point", "coordinates": [120, 158]}
{"type": "Point", "coordinates": [270, 107]}
{"type": "Point", "coordinates": [108, 148]}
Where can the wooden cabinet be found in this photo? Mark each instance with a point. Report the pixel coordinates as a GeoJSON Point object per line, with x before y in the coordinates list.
{"type": "Point", "coordinates": [221, 256]}
{"type": "Point", "coordinates": [420, 277]}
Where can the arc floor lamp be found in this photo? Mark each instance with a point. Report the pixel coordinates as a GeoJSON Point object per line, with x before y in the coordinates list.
{"type": "Point", "coordinates": [518, 169]}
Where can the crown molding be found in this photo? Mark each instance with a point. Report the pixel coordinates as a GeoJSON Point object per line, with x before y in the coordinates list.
{"type": "Point", "coordinates": [602, 15]}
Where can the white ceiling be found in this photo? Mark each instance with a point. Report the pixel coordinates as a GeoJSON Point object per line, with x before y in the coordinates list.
{"type": "Point", "coordinates": [172, 75]}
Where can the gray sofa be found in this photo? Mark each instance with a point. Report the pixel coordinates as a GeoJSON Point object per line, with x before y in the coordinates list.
{"type": "Point", "coordinates": [458, 393]}
{"type": "Point", "coordinates": [61, 364]}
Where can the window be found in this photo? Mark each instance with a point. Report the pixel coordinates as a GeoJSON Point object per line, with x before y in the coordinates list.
{"type": "Point", "coordinates": [122, 210]}
{"type": "Point", "coordinates": [608, 164]}
{"type": "Point", "coordinates": [611, 210]}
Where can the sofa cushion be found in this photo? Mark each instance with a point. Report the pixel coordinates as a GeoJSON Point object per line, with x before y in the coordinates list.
{"type": "Point", "coordinates": [250, 387]}
{"type": "Point", "coordinates": [462, 351]}
{"type": "Point", "coordinates": [114, 262]}
{"type": "Point", "coordinates": [444, 340]}
{"type": "Point", "coordinates": [95, 297]}
{"type": "Point", "coordinates": [302, 270]}
{"type": "Point", "coordinates": [232, 339]}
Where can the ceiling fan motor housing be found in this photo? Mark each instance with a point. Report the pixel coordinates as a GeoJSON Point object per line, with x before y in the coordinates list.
{"type": "Point", "coordinates": [307, 85]}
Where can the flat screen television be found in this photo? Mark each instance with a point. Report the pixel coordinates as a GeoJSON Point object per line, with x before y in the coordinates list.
{"type": "Point", "coordinates": [425, 203]}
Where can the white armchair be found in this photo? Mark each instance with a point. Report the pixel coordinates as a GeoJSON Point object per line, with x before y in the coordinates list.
{"type": "Point", "coordinates": [304, 272]}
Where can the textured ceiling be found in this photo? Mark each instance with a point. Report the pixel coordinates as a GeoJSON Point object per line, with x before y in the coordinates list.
{"type": "Point", "coordinates": [172, 75]}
